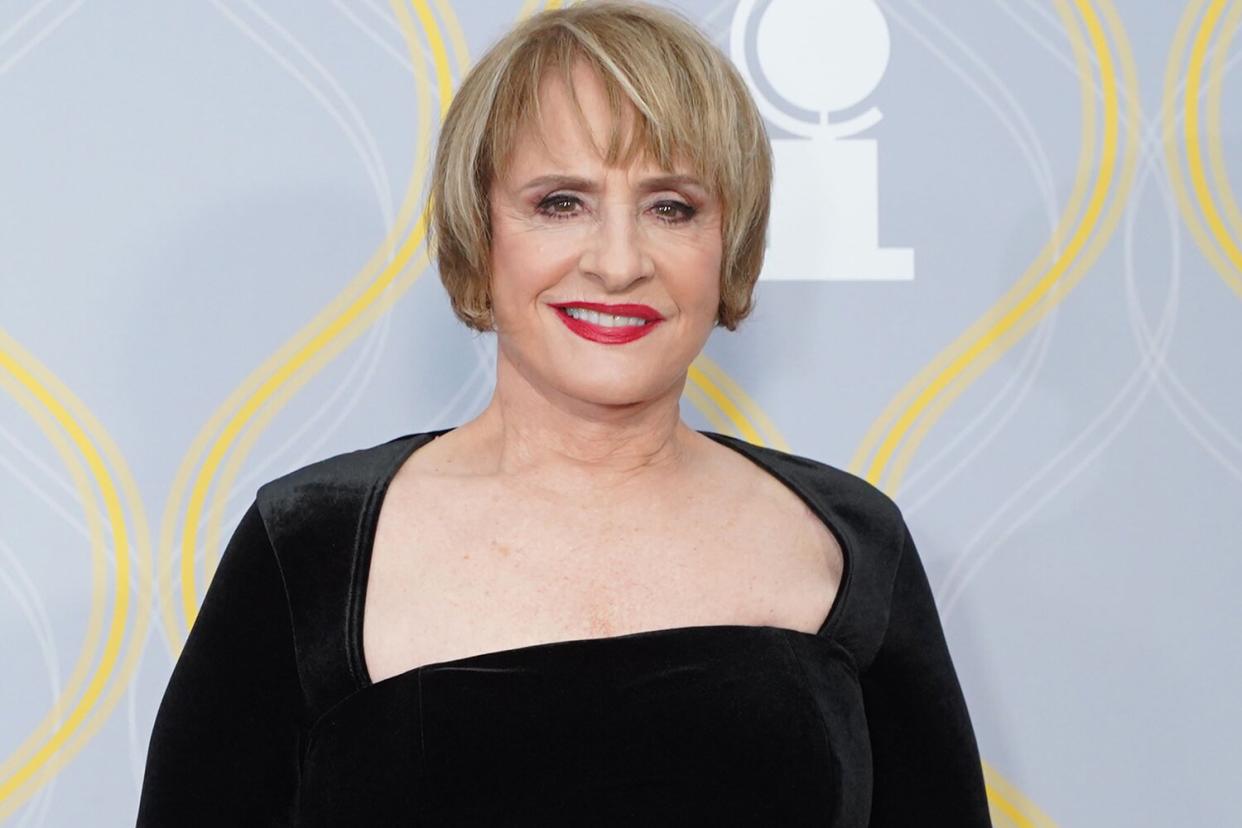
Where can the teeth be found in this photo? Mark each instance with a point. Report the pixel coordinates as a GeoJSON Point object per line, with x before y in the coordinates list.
{"type": "Point", "coordinates": [605, 320]}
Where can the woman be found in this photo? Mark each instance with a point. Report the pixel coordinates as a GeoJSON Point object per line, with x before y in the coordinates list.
{"type": "Point", "coordinates": [574, 609]}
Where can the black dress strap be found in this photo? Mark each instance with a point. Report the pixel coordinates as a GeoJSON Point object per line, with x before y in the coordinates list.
{"type": "Point", "coordinates": [867, 524]}
{"type": "Point", "coordinates": [316, 517]}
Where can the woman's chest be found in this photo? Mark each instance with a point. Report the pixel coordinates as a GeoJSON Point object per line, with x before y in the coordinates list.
{"type": "Point", "coordinates": [461, 568]}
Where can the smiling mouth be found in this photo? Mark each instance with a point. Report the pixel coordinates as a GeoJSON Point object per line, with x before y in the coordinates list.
{"type": "Point", "coordinates": [605, 329]}
{"type": "Point", "coordinates": [604, 320]}
{"type": "Point", "coordinates": [603, 312]}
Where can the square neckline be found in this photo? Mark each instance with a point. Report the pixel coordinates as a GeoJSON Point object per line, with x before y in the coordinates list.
{"type": "Point", "coordinates": [364, 547]}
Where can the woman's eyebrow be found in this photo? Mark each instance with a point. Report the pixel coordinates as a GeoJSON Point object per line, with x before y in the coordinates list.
{"type": "Point", "coordinates": [650, 184]}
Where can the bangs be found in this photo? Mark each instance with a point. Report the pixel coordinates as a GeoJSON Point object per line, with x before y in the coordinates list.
{"type": "Point", "coordinates": [651, 104]}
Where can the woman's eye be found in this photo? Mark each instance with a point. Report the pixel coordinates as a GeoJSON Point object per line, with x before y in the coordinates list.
{"type": "Point", "coordinates": [674, 212]}
{"type": "Point", "coordinates": [558, 206]}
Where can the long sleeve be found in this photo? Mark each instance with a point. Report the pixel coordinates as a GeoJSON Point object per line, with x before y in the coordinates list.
{"type": "Point", "coordinates": [926, 765]}
{"type": "Point", "coordinates": [225, 746]}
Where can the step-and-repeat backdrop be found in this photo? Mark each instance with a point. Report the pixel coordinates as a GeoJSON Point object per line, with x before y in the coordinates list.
{"type": "Point", "coordinates": [1004, 284]}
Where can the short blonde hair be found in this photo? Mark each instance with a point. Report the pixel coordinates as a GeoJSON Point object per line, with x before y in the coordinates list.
{"type": "Point", "coordinates": [691, 105]}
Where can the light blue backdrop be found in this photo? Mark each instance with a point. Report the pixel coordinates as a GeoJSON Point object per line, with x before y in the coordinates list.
{"type": "Point", "coordinates": [1005, 285]}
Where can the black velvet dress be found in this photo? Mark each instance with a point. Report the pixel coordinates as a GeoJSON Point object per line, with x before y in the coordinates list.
{"type": "Point", "coordinates": [270, 718]}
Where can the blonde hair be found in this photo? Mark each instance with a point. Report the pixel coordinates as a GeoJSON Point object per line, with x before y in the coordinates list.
{"type": "Point", "coordinates": [690, 104]}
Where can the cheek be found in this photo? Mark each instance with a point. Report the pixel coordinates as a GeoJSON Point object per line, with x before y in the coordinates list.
{"type": "Point", "coordinates": [694, 271]}
{"type": "Point", "coordinates": [515, 268]}
{"type": "Point", "coordinates": [527, 258]}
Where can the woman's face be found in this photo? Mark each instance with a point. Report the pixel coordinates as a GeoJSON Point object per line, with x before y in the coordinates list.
{"type": "Point", "coordinates": [566, 228]}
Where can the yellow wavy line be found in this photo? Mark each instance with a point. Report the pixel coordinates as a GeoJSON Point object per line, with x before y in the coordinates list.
{"type": "Point", "coordinates": [990, 336]}
{"type": "Point", "coordinates": [22, 393]}
{"type": "Point", "coordinates": [457, 38]}
{"type": "Point", "coordinates": [1019, 319]}
{"type": "Point", "coordinates": [96, 446]}
{"type": "Point", "coordinates": [702, 401]}
{"type": "Point", "coordinates": [356, 292]}
{"type": "Point", "coordinates": [710, 387]}
{"type": "Point", "coordinates": [1010, 806]}
{"type": "Point", "coordinates": [697, 379]}
{"type": "Point", "coordinates": [1052, 246]}
{"type": "Point", "coordinates": [1168, 135]}
{"type": "Point", "coordinates": [1076, 273]}
{"type": "Point", "coordinates": [318, 359]}
{"type": "Point", "coordinates": [100, 710]}
{"type": "Point", "coordinates": [1194, 158]}
{"type": "Point", "coordinates": [342, 317]}
{"type": "Point", "coordinates": [1216, 152]}
{"type": "Point", "coordinates": [1030, 306]}
{"type": "Point", "coordinates": [1002, 796]}
{"type": "Point", "coordinates": [340, 327]}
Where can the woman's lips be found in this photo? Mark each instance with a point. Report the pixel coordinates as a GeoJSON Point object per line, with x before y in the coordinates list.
{"type": "Point", "coordinates": [605, 335]}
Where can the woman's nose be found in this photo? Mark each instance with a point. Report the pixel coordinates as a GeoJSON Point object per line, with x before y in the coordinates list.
{"type": "Point", "coordinates": [616, 253]}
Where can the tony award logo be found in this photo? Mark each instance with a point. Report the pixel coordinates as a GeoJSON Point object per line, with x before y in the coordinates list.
{"type": "Point", "coordinates": [804, 61]}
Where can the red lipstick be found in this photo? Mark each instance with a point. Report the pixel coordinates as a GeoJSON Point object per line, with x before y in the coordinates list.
{"type": "Point", "coordinates": [609, 335]}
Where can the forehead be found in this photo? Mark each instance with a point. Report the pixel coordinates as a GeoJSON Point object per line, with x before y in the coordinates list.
{"type": "Point", "coordinates": [584, 87]}
{"type": "Point", "coordinates": [573, 121]}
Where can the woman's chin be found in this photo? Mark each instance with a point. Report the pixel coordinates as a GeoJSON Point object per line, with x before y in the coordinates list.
{"type": "Point", "coordinates": [611, 389]}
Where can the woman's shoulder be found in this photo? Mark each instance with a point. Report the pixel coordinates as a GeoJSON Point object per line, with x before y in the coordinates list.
{"type": "Point", "coordinates": [868, 525]}
{"type": "Point", "coordinates": [832, 490]}
{"type": "Point", "coordinates": [317, 518]}
{"type": "Point", "coordinates": [330, 496]}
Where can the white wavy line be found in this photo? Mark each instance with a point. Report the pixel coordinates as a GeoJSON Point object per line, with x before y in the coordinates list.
{"type": "Point", "coordinates": [368, 358]}
{"type": "Point", "coordinates": [376, 338]}
{"type": "Point", "coordinates": [67, 516]}
{"type": "Point", "coordinates": [1026, 372]}
{"type": "Point", "coordinates": [1086, 445]}
{"type": "Point", "coordinates": [480, 374]}
{"type": "Point", "coordinates": [40, 803]}
{"type": "Point", "coordinates": [441, 417]}
{"type": "Point", "coordinates": [1036, 157]}
{"type": "Point", "coordinates": [1055, 27]}
{"type": "Point", "coordinates": [38, 37]}
{"type": "Point", "coordinates": [1152, 135]}
{"type": "Point", "coordinates": [1037, 350]}
{"type": "Point", "coordinates": [1144, 341]}
{"type": "Point", "coordinates": [70, 518]}
{"type": "Point", "coordinates": [43, 797]}
{"type": "Point", "coordinates": [1067, 61]}
{"type": "Point", "coordinates": [30, 601]}
{"type": "Point", "coordinates": [379, 180]}
{"type": "Point", "coordinates": [258, 470]}
{"type": "Point", "coordinates": [312, 450]}
{"type": "Point", "coordinates": [387, 48]}
{"type": "Point", "coordinates": [30, 14]}
{"type": "Point", "coordinates": [377, 171]}
{"type": "Point", "coordinates": [389, 217]}
{"type": "Point", "coordinates": [137, 742]}
{"type": "Point", "coordinates": [1152, 365]}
